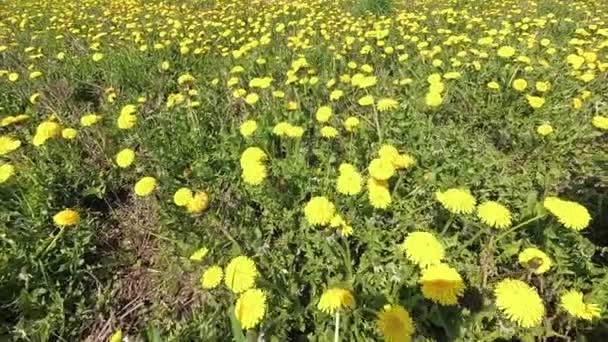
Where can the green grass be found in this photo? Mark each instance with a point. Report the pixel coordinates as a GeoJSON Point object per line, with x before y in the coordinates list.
{"type": "Point", "coordinates": [126, 264]}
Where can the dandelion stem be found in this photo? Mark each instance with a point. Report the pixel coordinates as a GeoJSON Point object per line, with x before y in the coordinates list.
{"type": "Point", "coordinates": [337, 331]}
{"type": "Point", "coordinates": [163, 237]}
{"type": "Point", "coordinates": [52, 243]}
{"type": "Point", "coordinates": [377, 122]}
{"type": "Point", "coordinates": [348, 260]}
{"type": "Point", "coordinates": [514, 228]}
{"type": "Point", "coordinates": [447, 224]}
{"type": "Point", "coordinates": [470, 241]}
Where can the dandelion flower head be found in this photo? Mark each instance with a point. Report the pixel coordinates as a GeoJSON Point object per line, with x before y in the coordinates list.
{"type": "Point", "coordinates": [442, 284]}
{"type": "Point", "coordinates": [212, 277]}
{"type": "Point", "coordinates": [494, 214]}
{"type": "Point", "coordinates": [535, 260]}
{"type": "Point", "coordinates": [335, 299]}
{"type": "Point", "coordinates": [423, 249]}
{"type": "Point", "coordinates": [319, 211]}
{"type": "Point", "coordinates": [240, 274]}
{"type": "Point", "coordinates": [250, 308]}
{"type": "Point", "coordinates": [571, 214]}
{"type": "Point", "coordinates": [395, 324]}
{"type": "Point", "coordinates": [457, 201]}
{"type": "Point", "coordinates": [67, 217]}
{"type": "Point", "coordinates": [572, 301]}
{"type": "Point", "coordinates": [519, 302]}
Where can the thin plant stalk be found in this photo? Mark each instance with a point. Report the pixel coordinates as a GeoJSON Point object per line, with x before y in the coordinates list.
{"type": "Point", "coordinates": [337, 330]}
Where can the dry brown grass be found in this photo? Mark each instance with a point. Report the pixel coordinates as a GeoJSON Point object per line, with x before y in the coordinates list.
{"type": "Point", "coordinates": [146, 287]}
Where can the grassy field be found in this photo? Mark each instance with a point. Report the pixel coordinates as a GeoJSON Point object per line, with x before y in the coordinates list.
{"type": "Point", "coordinates": [277, 170]}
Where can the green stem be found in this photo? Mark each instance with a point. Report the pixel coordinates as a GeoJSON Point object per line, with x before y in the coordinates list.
{"type": "Point", "coordinates": [52, 243]}
{"type": "Point", "coordinates": [470, 241]}
{"type": "Point", "coordinates": [514, 228]}
{"type": "Point", "coordinates": [447, 224]}
{"type": "Point", "coordinates": [377, 122]}
{"type": "Point", "coordinates": [163, 237]}
{"type": "Point", "coordinates": [337, 331]}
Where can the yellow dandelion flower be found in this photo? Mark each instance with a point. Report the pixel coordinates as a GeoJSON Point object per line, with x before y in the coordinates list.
{"type": "Point", "coordinates": [457, 201]}
{"type": "Point", "coordinates": [323, 114]}
{"type": "Point", "coordinates": [240, 274]}
{"type": "Point", "coordinates": [336, 95]}
{"type": "Point", "coordinates": [89, 120]}
{"type": "Point", "coordinates": [366, 82]}
{"type": "Point", "coordinates": [329, 132]}
{"type": "Point", "coordinates": [349, 181]}
{"type": "Point", "coordinates": [600, 122]}
{"type": "Point", "coordinates": [494, 214]}
{"type": "Point", "coordinates": [535, 260]}
{"type": "Point", "coordinates": [13, 77]}
{"type": "Point", "coordinates": [212, 277]}
{"type": "Point", "coordinates": [337, 221]}
{"type": "Point", "coordinates": [351, 123]}
{"type": "Point", "coordinates": [281, 128]}
{"type": "Point", "coordinates": [505, 51]}
{"type": "Point", "coordinates": [319, 211]}
{"type": "Point", "coordinates": [452, 75]}
{"type": "Point", "coordinates": [493, 85]}
{"type": "Point", "coordinates": [395, 324]}
{"type": "Point", "coordinates": [185, 79]}
{"type": "Point", "coordinates": [378, 193]}
{"type": "Point", "coordinates": [45, 131]}
{"type": "Point", "coordinates": [252, 98]}
{"type": "Point", "coordinates": [544, 129]}
{"type": "Point", "coordinates": [126, 121]}
{"type": "Point", "coordinates": [433, 99]}
{"type": "Point", "coordinates": [34, 98]}
{"type": "Point", "coordinates": [198, 203]}
{"type": "Point", "coordinates": [346, 230]}
{"type": "Point", "coordinates": [182, 196]}
{"type": "Point", "coordinates": [254, 173]}
{"type": "Point", "coordinates": [404, 161]}
{"type": "Point", "coordinates": [10, 120]}
{"type": "Point", "coordinates": [571, 214]}
{"type": "Point", "coordinates": [250, 308]}
{"type": "Point", "coordinates": [542, 86]}
{"type": "Point", "coordinates": [252, 155]}
{"type": "Point", "coordinates": [125, 158]}
{"type": "Point", "coordinates": [68, 133]}
{"type": "Point", "coordinates": [366, 100]}
{"type": "Point", "coordinates": [442, 284]}
{"type": "Point", "coordinates": [294, 131]}
{"type": "Point", "coordinates": [8, 144]}
{"type": "Point", "coordinates": [96, 57]}
{"type": "Point", "coordinates": [387, 104]}
{"type": "Point", "coordinates": [520, 84]}
{"type": "Point", "coordinates": [423, 249]}
{"type": "Point", "coordinates": [145, 186]}
{"type": "Point", "coordinates": [199, 254]}
{"type": "Point", "coordinates": [535, 101]}
{"type": "Point", "coordinates": [248, 128]}
{"type": "Point", "coordinates": [572, 301]}
{"type": "Point", "coordinates": [6, 172]}
{"type": "Point", "coordinates": [519, 302]}
{"type": "Point", "coordinates": [67, 217]}
{"type": "Point", "coordinates": [388, 152]}
{"type": "Point", "coordinates": [335, 299]}
{"type": "Point", "coordinates": [399, 161]}
{"type": "Point", "coordinates": [116, 336]}
{"type": "Point", "coordinates": [381, 169]}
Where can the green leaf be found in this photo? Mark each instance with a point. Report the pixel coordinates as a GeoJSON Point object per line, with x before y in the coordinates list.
{"type": "Point", "coordinates": [153, 334]}
{"type": "Point", "coordinates": [235, 325]}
